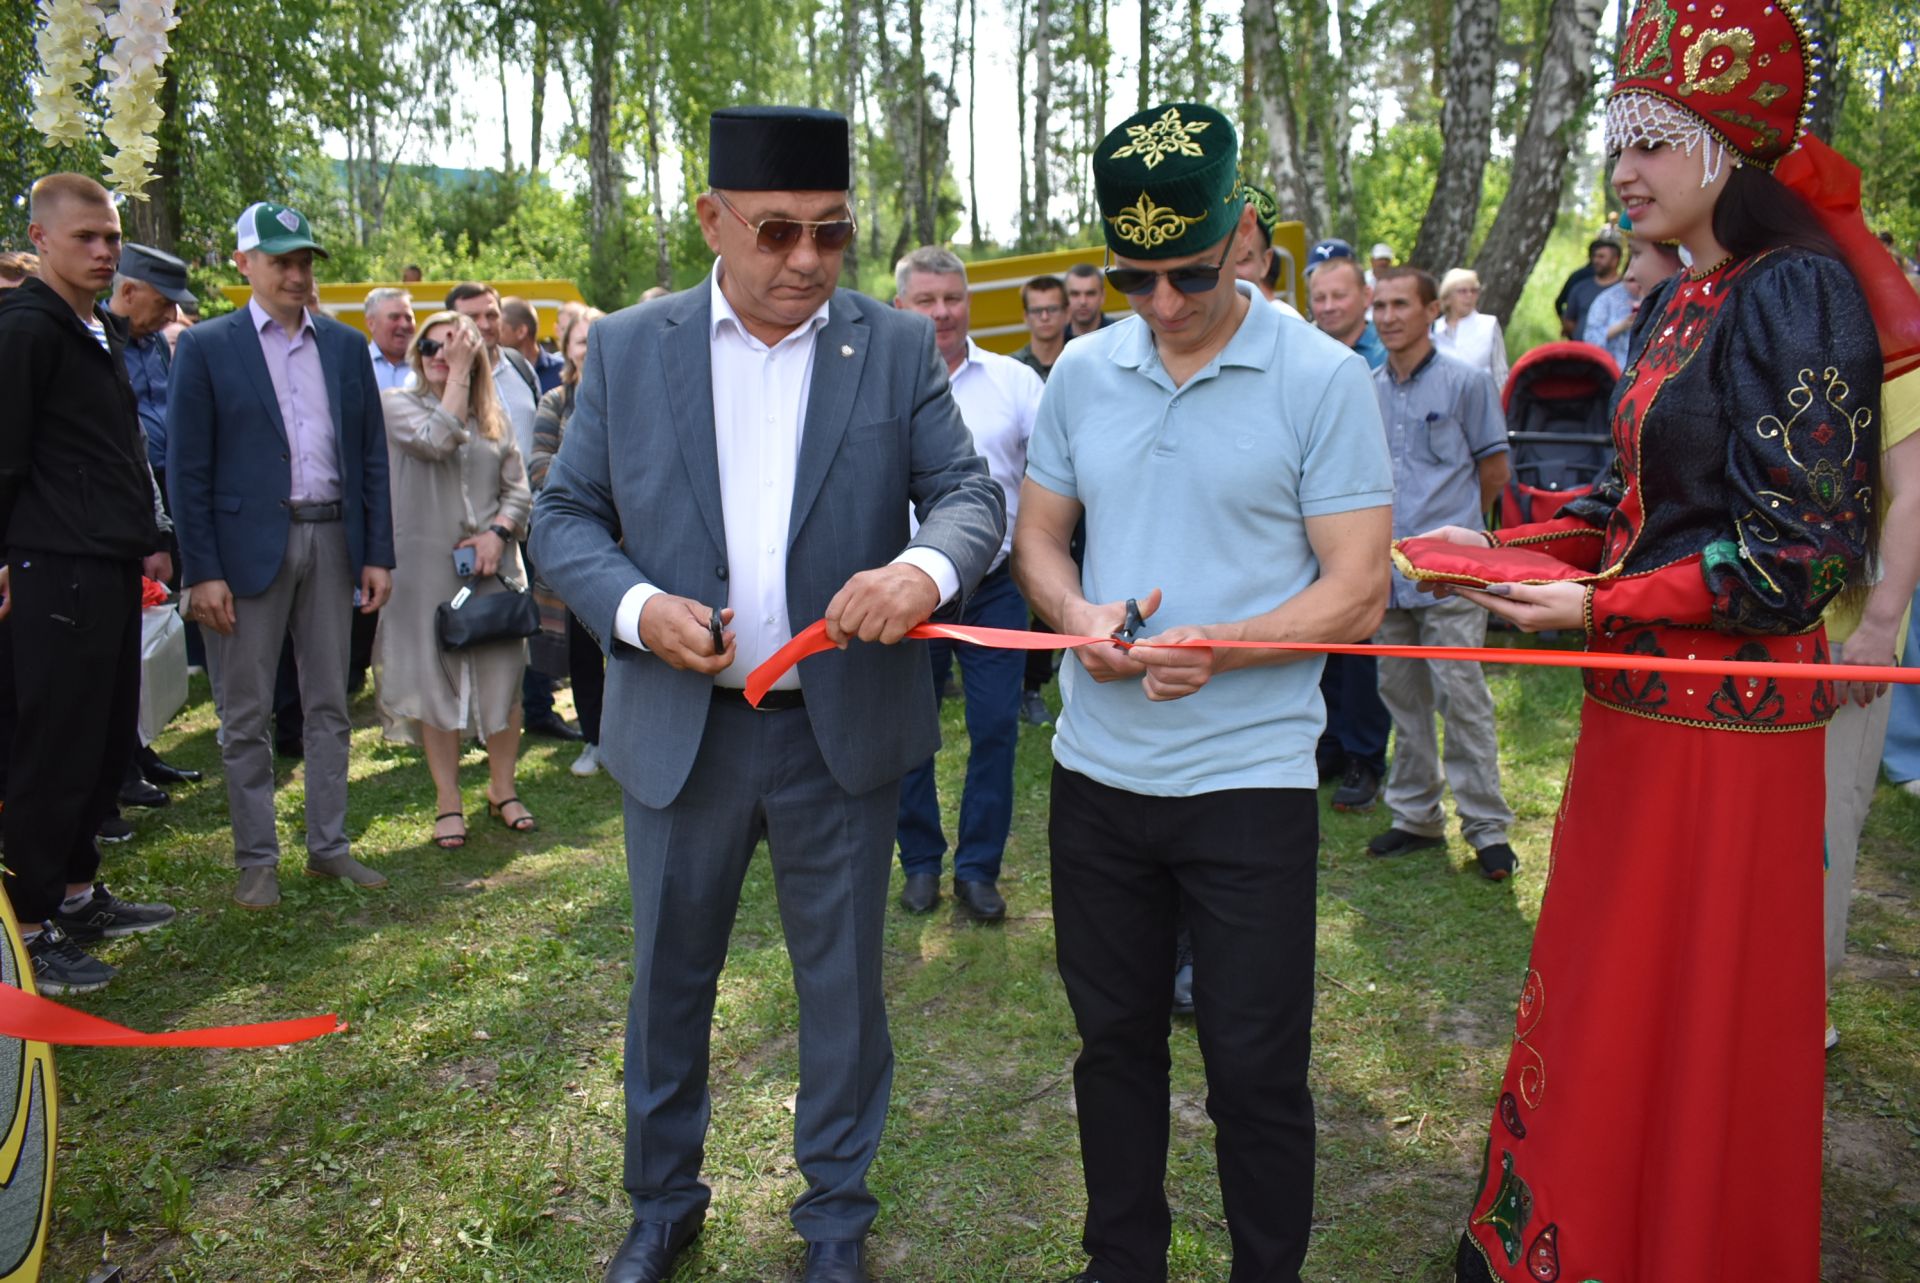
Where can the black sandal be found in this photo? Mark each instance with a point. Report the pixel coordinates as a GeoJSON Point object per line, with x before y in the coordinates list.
{"type": "Point", "coordinates": [450, 841]}
{"type": "Point", "coordinates": [525, 824]}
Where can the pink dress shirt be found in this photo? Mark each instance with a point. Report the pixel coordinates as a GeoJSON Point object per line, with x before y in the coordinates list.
{"type": "Point", "coordinates": [300, 386]}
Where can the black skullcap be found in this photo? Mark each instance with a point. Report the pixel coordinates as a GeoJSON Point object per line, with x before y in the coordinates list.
{"type": "Point", "coordinates": [778, 149]}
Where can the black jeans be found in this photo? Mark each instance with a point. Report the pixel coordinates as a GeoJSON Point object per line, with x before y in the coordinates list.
{"type": "Point", "coordinates": [1241, 864]}
{"type": "Point", "coordinates": [71, 647]}
{"type": "Point", "coordinates": [588, 669]}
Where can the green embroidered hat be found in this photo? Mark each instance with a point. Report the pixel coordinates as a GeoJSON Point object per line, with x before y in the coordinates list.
{"type": "Point", "coordinates": [1168, 181]}
{"type": "Point", "coordinates": [1266, 210]}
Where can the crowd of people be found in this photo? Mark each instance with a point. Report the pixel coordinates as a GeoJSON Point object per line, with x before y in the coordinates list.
{"type": "Point", "coordinates": [700, 475]}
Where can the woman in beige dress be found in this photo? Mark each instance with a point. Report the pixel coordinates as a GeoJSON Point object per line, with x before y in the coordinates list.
{"type": "Point", "coordinates": [458, 483]}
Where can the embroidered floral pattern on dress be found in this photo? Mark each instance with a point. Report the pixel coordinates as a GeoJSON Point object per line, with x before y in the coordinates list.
{"type": "Point", "coordinates": [1512, 1209]}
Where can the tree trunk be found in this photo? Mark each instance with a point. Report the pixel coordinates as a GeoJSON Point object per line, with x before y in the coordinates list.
{"type": "Point", "coordinates": [503, 38]}
{"type": "Point", "coordinates": [973, 153]}
{"type": "Point", "coordinates": [1025, 233]}
{"type": "Point", "coordinates": [1196, 51]}
{"type": "Point", "coordinates": [1273, 92]}
{"type": "Point", "coordinates": [1042, 120]}
{"type": "Point", "coordinates": [1466, 127]}
{"type": "Point", "coordinates": [1347, 221]}
{"type": "Point", "coordinates": [1145, 99]}
{"type": "Point", "coordinates": [662, 254]}
{"type": "Point", "coordinates": [1823, 21]}
{"type": "Point", "coordinates": [1558, 111]}
{"type": "Point", "coordinates": [156, 220]}
{"type": "Point", "coordinates": [849, 107]}
{"type": "Point", "coordinates": [541, 55]}
{"type": "Point", "coordinates": [603, 182]}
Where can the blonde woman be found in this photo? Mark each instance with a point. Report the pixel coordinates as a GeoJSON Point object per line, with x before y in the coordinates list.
{"type": "Point", "coordinates": [459, 489]}
{"type": "Point", "coordinates": [585, 664]}
{"type": "Point", "coordinates": [1466, 333]}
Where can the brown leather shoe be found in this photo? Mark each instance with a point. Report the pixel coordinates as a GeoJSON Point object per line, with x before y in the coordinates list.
{"type": "Point", "coordinates": [259, 887]}
{"type": "Point", "coordinates": [348, 868]}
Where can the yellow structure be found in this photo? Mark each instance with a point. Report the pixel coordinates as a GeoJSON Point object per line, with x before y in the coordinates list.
{"type": "Point", "coordinates": [1000, 324]}
{"type": "Point", "coordinates": [347, 302]}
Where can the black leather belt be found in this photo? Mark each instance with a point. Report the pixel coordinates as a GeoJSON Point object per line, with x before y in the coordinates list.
{"type": "Point", "coordinates": [779, 701]}
{"type": "Point", "coordinates": [314, 511]}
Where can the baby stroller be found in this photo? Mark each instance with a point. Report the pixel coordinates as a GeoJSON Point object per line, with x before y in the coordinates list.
{"type": "Point", "coordinates": [1556, 401]}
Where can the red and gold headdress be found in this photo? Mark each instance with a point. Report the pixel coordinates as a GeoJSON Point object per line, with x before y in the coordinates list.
{"type": "Point", "coordinates": [1735, 79]}
{"type": "Point", "coordinates": [1744, 70]}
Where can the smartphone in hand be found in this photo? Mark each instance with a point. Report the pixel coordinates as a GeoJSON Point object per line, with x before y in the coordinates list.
{"type": "Point", "coordinates": [463, 562]}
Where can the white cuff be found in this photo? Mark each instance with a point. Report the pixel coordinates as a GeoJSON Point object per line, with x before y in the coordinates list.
{"type": "Point", "coordinates": [936, 565]}
{"type": "Point", "coordinates": [626, 617]}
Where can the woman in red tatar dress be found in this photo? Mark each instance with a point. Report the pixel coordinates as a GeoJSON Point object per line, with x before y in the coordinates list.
{"type": "Point", "coordinates": [1660, 1114]}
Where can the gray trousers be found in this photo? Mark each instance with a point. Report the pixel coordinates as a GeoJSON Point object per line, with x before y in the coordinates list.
{"type": "Point", "coordinates": [760, 775]}
{"type": "Point", "coordinates": [311, 597]}
{"type": "Point", "coordinates": [1414, 691]}
{"type": "Point", "coordinates": [1854, 740]}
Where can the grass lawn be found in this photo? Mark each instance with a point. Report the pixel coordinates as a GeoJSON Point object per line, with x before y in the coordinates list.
{"type": "Point", "coordinates": [468, 1127]}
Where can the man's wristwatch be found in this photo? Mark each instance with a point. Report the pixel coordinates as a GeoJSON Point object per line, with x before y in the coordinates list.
{"type": "Point", "coordinates": [505, 534]}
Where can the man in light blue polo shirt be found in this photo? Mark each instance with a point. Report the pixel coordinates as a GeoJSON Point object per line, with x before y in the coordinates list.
{"type": "Point", "coordinates": [1233, 473]}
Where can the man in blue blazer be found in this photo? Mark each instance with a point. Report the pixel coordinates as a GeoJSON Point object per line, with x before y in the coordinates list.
{"type": "Point", "coordinates": [753, 447]}
{"type": "Point", "coordinates": [277, 469]}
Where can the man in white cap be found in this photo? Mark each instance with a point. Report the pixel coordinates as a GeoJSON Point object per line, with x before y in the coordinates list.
{"type": "Point", "coordinates": [1382, 257]}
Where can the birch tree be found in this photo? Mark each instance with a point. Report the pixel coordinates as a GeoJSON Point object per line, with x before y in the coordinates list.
{"type": "Point", "coordinates": [1466, 126]}
{"type": "Point", "coordinates": [1562, 85]}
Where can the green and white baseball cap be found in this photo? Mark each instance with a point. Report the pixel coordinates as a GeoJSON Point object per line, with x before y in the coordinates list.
{"type": "Point", "coordinates": [274, 229]}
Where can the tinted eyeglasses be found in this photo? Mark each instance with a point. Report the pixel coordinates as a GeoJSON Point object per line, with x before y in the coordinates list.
{"type": "Point", "coordinates": [1196, 278]}
{"type": "Point", "coordinates": [431, 347]}
{"type": "Point", "coordinates": [780, 235]}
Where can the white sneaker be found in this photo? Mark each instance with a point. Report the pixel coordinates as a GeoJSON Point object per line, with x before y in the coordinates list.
{"type": "Point", "coordinates": [1833, 1037]}
{"type": "Point", "coordinates": [588, 763]}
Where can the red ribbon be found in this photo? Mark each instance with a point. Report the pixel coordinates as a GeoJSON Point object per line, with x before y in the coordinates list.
{"type": "Point", "coordinates": [36, 1019]}
{"type": "Point", "coordinates": [813, 639]}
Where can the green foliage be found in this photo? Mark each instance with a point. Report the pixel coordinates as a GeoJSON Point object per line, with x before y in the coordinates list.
{"type": "Point", "coordinates": [1879, 125]}
{"type": "Point", "coordinates": [1392, 181]}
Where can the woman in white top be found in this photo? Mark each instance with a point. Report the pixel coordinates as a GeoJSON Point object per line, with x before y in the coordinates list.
{"type": "Point", "coordinates": [1466, 333]}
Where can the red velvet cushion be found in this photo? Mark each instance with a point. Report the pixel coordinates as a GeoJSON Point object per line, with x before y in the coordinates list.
{"type": "Point", "coordinates": [1452, 563]}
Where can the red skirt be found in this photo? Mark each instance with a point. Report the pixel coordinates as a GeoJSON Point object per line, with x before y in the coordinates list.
{"type": "Point", "coordinates": [1660, 1114]}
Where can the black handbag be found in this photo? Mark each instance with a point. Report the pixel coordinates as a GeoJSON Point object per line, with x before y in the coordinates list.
{"type": "Point", "coordinates": [472, 620]}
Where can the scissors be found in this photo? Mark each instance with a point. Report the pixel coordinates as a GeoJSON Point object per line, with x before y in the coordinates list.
{"type": "Point", "coordinates": [713, 629]}
{"type": "Point", "coordinates": [1128, 632]}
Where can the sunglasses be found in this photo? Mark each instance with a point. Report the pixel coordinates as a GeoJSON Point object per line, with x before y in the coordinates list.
{"type": "Point", "coordinates": [780, 235]}
{"type": "Point", "coordinates": [1196, 278]}
{"type": "Point", "coordinates": [432, 347]}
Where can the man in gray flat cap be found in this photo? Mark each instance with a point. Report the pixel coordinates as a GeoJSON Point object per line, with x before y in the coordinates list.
{"type": "Point", "coordinates": [745, 453]}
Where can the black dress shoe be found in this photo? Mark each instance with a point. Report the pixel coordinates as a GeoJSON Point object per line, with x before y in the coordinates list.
{"type": "Point", "coordinates": [1497, 862]}
{"type": "Point", "coordinates": [137, 792]}
{"type": "Point", "coordinates": [839, 1261]}
{"type": "Point", "coordinates": [921, 892]}
{"type": "Point", "coordinates": [1399, 842]}
{"type": "Point", "coordinates": [979, 900]}
{"type": "Point", "coordinates": [161, 774]}
{"type": "Point", "coordinates": [552, 726]}
{"type": "Point", "coordinates": [649, 1250]}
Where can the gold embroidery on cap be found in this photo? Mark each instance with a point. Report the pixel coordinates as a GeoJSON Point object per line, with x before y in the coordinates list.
{"type": "Point", "coordinates": [1167, 136]}
{"type": "Point", "coordinates": [1768, 93]}
{"type": "Point", "coordinates": [1149, 225]}
{"type": "Point", "coordinates": [1727, 68]}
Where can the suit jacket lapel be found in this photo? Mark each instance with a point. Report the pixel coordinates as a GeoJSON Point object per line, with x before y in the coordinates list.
{"type": "Point", "coordinates": [246, 350]}
{"type": "Point", "coordinates": [686, 358]}
{"type": "Point", "coordinates": [839, 354]}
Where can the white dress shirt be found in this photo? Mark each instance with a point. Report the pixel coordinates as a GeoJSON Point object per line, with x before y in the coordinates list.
{"type": "Point", "coordinates": [518, 400]}
{"type": "Point", "coordinates": [385, 373]}
{"type": "Point", "coordinates": [998, 398]}
{"type": "Point", "coordinates": [759, 408]}
{"type": "Point", "coordinates": [1476, 339]}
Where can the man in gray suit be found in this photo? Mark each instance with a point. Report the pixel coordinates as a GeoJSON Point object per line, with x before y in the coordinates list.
{"type": "Point", "coordinates": [755, 443]}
